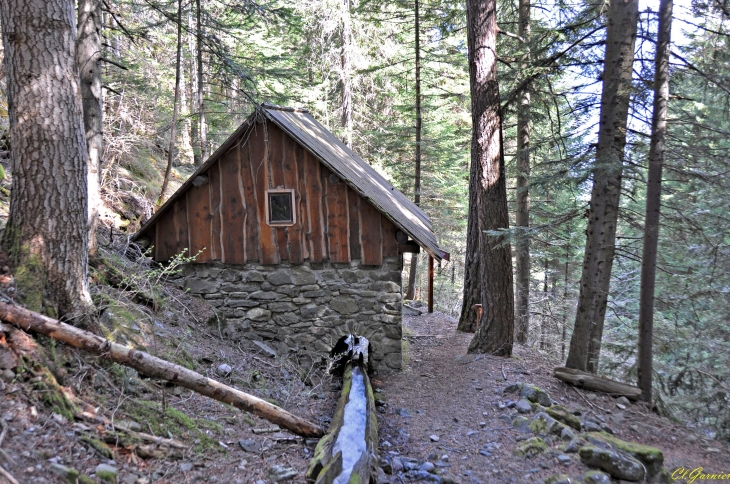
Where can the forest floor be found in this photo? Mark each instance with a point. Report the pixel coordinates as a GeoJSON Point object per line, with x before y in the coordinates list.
{"type": "Point", "coordinates": [443, 394]}
{"type": "Point", "coordinates": [459, 399]}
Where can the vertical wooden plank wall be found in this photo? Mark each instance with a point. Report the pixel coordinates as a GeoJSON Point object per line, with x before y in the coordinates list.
{"type": "Point", "coordinates": [233, 213]}
{"type": "Point", "coordinates": [225, 219]}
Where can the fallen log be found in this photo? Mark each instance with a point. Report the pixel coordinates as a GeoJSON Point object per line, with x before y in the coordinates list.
{"type": "Point", "coordinates": [155, 367]}
{"type": "Point", "coordinates": [589, 381]}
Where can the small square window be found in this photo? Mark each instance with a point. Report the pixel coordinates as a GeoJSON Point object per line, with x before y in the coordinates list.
{"type": "Point", "coordinates": [280, 207]}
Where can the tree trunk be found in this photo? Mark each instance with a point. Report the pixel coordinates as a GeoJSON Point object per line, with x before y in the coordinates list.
{"type": "Point", "coordinates": [419, 126]}
{"type": "Point", "coordinates": [175, 106]}
{"type": "Point", "coordinates": [585, 344]}
{"type": "Point", "coordinates": [192, 95]}
{"type": "Point", "coordinates": [203, 134]}
{"type": "Point", "coordinates": [522, 218]}
{"type": "Point", "coordinates": [472, 288]}
{"type": "Point", "coordinates": [155, 367]}
{"type": "Point", "coordinates": [653, 201]}
{"type": "Point", "coordinates": [88, 58]}
{"type": "Point", "coordinates": [495, 334]}
{"type": "Point", "coordinates": [346, 72]}
{"type": "Point", "coordinates": [46, 237]}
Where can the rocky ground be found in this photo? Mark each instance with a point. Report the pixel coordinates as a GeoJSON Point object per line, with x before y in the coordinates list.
{"type": "Point", "coordinates": [480, 419]}
{"type": "Point", "coordinates": [448, 416]}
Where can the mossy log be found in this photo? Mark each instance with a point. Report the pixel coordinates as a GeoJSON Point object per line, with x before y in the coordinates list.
{"type": "Point", "coordinates": [328, 462]}
{"type": "Point", "coordinates": [155, 367]}
{"type": "Point", "coordinates": [589, 381]}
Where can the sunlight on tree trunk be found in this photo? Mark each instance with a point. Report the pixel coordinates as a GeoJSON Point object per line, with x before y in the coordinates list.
{"type": "Point", "coordinates": [585, 345]}
{"type": "Point", "coordinates": [46, 237]}
{"type": "Point", "coordinates": [495, 334]}
{"type": "Point", "coordinates": [653, 201]}
{"type": "Point", "coordinates": [88, 58]}
{"type": "Point", "coordinates": [522, 217]}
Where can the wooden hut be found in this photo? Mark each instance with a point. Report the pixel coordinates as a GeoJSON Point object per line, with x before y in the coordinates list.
{"type": "Point", "coordinates": [298, 241]}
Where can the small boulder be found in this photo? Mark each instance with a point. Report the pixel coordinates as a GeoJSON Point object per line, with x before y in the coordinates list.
{"type": "Point", "coordinates": [434, 438]}
{"type": "Point", "coordinates": [591, 425]}
{"type": "Point", "coordinates": [248, 445]}
{"type": "Point", "coordinates": [106, 473]}
{"type": "Point", "coordinates": [224, 370]}
{"type": "Point", "coordinates": [596, 477]}
{"type": "Point", "coordinates": [531, 447]}
{"type": "Point", "coordinates": [617, 465]}
{"type": "Point", "coordinates": [280, 473]}
{"type": "Point", "coordinates": [536, 395]}
{"type": "Point", "coordinates": [562, 414]}
{"type": "Point", "coordinates": [651, 457]}
{"type": "Point", "coordinates": [560, 479]}
{"type": "Point", "coordinates": [523, 406]}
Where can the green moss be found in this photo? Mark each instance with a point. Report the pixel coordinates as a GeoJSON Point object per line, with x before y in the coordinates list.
{"type": "Point", "coordinates": [354, 478]}
{"type": "Point", "coordinates": [98, 446]}
{"type": "Point", "coordinates": [47, 388]}
{"type": "Point", "coordinates": [651, 457]}
{"type": "Point", "coordinates": [174, 421]}
{"type": "Point", "coordinates": [539, 426]}
{"type": "Point", "coordinates": [30, 279]}
{"type": "Point", "coordinates": [562, 414]}
{"type": "Point", "coordinates": [183, 358]}
{"type": "Point", "coordinates": [531, 447]}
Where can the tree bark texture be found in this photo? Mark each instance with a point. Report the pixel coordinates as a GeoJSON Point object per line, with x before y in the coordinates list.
{"type": "Point", "coordinates": [585, 344]}
{"type": "Point", "coordinates": [495, 334]}
{"type": "Point", "coordinates": [410, 292]}
{"type": "Point", "coordinates": [472, 289]}
{"type": "Point", "coordinates": [46, 236]}
{"type": "Point", "coordinates": [175, 106]}
{"type": "Point", "coordinates": [203, 132]}
{"type": "Point", "coordinates": [155, 367]}
{"type": "Point", "coordinates": [522, 218]}
{"type": "Point", "coordinates": [653, 201]}
{"type": "Point", "coordinates": [194, 124]}
{"type": "Point", "coordinates": [346, 72]}
{"type": "Point", "coordinates": [88, 58]}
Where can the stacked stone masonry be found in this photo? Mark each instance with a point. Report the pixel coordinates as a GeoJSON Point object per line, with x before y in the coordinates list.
{"type": "Point", "coordinates": [304, 309]}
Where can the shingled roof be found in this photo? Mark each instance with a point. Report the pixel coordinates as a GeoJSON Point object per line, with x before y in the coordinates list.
{"type": "Point", "coordinates": [341, 160]}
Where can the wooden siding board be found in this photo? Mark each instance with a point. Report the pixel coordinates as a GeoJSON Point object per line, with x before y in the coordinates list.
{"type": "Point", "coordinates": [180, 210]}
{"type": "Point", "coordinates": [354, 211]}
{"type": "Point", "coordinates": [260, 151]}
{"type": "Point", "coordinates": [390, 244]}
{"type": "Point", "coordinates": [166, 237]}
{"type": "Point", "coordinates": [290, 173]}
{"type": "Point", "coordinates": [247, 187]}
{"type": "Point", "coordinates": [337, 223]}
{"type": "Point", "coordinates": [200, 222]}
{"type": "Point", "coordinates": [233, 217]}
{"type": "Point", "coordinates": [315, 199]}
{"type": "Point", "coordinates": [301, 192]}
{"type": "Point", "coordinates": [371, 235]}
{"type": "Point", "coordinates": [214, 177]}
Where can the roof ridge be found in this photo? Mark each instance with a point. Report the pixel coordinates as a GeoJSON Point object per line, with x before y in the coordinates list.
{"type": "Point", "coordinates": [284, 108]}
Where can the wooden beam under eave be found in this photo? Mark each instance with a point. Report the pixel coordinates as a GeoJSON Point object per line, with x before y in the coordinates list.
{"type": "Point", "coordinates": [430, 284]}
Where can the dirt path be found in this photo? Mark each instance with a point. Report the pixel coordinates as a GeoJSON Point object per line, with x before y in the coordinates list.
{"type": "Point", "coordinates": [448, 408]}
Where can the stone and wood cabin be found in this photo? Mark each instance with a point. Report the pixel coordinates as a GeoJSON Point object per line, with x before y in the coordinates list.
{"type": "Point", "coordinates": [298, 241]}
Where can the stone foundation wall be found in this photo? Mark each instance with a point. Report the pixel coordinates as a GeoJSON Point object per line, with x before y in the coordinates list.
{"type": "Point", "coordinates": [304, 309]}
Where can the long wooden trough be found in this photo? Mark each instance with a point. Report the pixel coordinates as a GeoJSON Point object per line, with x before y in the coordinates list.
{"type": "Point", "coordinates": [348, 452]}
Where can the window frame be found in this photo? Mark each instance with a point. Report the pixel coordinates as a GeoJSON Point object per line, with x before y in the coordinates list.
{"type": "Point", "coordinates": [274, 191]}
